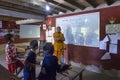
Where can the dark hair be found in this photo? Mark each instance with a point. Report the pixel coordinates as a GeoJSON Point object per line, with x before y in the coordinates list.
{"type": "Point", "coordinates": [33, 44]}
{"type": "Point", "coordinates": [8, 37]}
{"type": "Point", "coordinates": [48, 48]}
{"type": "Point", "coordinates": [59, 27]}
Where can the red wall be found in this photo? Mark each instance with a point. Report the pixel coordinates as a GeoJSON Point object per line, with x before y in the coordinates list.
{"type": "Point", "coordinates": [11, 25]}
{"type": "Point", "coordinates": [91, 55]}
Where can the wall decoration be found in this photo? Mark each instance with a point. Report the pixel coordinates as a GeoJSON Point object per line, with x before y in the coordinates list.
{"type": "Point", "coordinates": [3, 32]}
{"type": "Point", "coordinates": [49, 23]}
{"type": "Point", "coordinates": [16, 33]}
{"type": "Point", "coordinates": [112, 28]}
{"type": "Point", "coordinates": [44, 26]}
{"type": "Point", "coordinates": [112, 20]}
{"type": "Point", "coordinates": [0, 24]}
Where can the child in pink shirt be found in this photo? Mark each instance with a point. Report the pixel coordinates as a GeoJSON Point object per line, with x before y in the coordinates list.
{"type": "Point", "coordinates": [11, 56]}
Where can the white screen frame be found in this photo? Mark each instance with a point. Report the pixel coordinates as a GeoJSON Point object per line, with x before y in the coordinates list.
{"type": "Point", "coordinates": [89, 22]}
{"type": "Point", "coordinates": [29, 31]}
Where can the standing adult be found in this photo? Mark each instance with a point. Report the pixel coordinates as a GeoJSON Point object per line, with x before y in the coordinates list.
{"type": "Point", "coordinates": [59, 45]}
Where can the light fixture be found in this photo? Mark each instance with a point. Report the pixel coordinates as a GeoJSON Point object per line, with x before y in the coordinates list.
{"type": "Point", "coordinates": [47, 8]}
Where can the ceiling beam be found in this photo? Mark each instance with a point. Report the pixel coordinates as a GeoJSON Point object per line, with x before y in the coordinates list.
{"type": "Point", "coordinates": [58, 9]}
{"type": "Point", "coordinates": [61, 5]}
{"type": "Point", "coordinates": [74, 3]}
{"type": "Point", "coordinates": [14, 7]}
{"type": "Point", "coordinates": [9, 18]}
{"type": "Point", "coordinates": [92, 3]}
{"type": "Point", "coordinates": [21, 6]}
{"type": "Point", "coordinates": [109, 2]}
{"type": "Point", "coordinates": [20, 14]}
{"type": "Point", "coordinates": [26, 7]}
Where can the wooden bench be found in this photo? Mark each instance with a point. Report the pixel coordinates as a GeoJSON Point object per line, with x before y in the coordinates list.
{"type": "Point", "coordinates": [22, 50]}
{"type": "Point", "coordinates": [73, 73]}
{"type": "Point", "coordinates": [6, 75]}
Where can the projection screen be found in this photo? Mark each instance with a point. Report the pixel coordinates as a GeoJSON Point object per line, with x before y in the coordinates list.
{"type": "Point", "coordinates": [80, 29]}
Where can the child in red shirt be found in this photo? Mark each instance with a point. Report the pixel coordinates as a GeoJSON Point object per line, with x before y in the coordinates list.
{"type": "Point", "coordinates": [11, 56]}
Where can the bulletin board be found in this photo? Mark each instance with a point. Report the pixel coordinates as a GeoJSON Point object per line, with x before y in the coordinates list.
{"type": "Point", "coordinates": [0, 24]}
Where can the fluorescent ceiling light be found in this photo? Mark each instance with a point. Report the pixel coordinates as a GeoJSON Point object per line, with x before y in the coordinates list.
{"type": "Point", "coordinates": [47, 8]}
{"type": "Point", "coordinates": [28, 21]}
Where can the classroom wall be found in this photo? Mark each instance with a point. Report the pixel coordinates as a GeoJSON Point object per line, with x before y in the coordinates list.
{"type": "Point", "coordinates": [18, 42]}
{"type": "Point", "coordinates": [12, 25]}
{"type": "Point", "coordinates": [91, 55]}
{"type": "Point", "coordinates": [2, 46]}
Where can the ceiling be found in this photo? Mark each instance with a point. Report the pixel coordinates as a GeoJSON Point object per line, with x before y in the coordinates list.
{"type": "Point", "coordinates": [37, 8]}
{"type": "Point", "coordinates": [10, 18]}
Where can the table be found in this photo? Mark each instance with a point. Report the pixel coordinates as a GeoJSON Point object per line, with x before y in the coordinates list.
{"type": "Point", "coordinates": [73, 73]}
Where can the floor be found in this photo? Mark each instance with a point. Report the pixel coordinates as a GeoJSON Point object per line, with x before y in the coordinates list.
{"type": "Point", "coordinates": [87, 75]}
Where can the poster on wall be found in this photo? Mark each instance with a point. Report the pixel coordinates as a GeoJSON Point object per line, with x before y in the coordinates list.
{"type": "Point", "coordinates": [80, 29]}
{"type": "Point", "coordinates": [0, 24]}
{"type": "Point", "coordinates": [49, 35]}
{"type": "Point", "coordinates": [3, 32]}
{"type": "Point", "coordinates": [112, 28]}
{"type": "Point", "coordinates": [16, 33]}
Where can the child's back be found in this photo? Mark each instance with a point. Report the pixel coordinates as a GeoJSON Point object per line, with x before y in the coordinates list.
{"type": "Point", "coordinates": [50, 64]}
{"type": "Point", "coordinates": [30, 61]}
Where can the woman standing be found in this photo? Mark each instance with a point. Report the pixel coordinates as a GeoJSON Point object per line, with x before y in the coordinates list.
{"type": "Point", "coordinates": [59, 45]}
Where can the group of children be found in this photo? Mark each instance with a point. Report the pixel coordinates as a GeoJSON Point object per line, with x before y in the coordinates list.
{"type": "Point", "coordinates": [50, 63]}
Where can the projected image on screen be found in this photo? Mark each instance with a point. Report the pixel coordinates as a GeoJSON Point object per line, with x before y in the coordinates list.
{"type": "Point", "coordinates": [80, 29]}
{"type": "Point", "coordinates": [29, 31]}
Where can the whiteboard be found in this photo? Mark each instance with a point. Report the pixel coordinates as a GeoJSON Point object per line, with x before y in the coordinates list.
{"type": "Point", "coordinates": [29, 31]}
{"type": "Point", "coordinates": [80, 29]}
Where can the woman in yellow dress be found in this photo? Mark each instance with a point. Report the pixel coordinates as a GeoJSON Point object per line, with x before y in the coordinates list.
{"type": "Point", "coordinates": [59, 45]}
